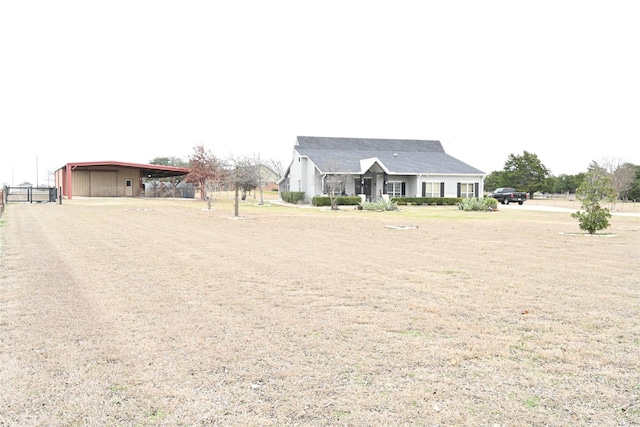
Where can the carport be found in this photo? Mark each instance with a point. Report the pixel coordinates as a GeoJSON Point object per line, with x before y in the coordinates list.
{"type": "Point", "coordinates": [110, 178]}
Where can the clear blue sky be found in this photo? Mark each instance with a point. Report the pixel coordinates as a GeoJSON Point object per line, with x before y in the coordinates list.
{"type": "Point", "coordinates": [134, 80]}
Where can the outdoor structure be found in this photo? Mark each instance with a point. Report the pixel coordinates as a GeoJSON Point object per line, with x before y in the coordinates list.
{"type": "Point", "coordinates": [29, 193]}
{"type": "Point", "coordinates": [110, 178]}
{"type": "Point", "coordinates": [378, 168]}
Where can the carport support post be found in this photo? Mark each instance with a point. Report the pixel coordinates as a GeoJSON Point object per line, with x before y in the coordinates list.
{"type": "Point", "coordinates": [69, 182]}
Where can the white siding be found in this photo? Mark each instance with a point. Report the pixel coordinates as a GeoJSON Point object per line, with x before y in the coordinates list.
{"type": "Point", "coordinates": [350, 186]}
{"type": "Point", "coordinates": [304, 176]}
{"type": "Point", "coordinates": [295, 173]}
{"type": "Point", "coordinates": [313, 188]}
{"type": "Point", "coordinates": [450, 183]}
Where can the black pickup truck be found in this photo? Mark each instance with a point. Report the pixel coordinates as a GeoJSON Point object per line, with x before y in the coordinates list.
{"type": "Point", "coordinates": [508, 195]}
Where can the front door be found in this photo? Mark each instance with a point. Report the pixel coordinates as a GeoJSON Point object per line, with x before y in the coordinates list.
{"type": "Point", "coordinates": [363, 186]}
{"type": "Point", "coordinates": [128, 188]}
{"type": "Point", "coordinates": [367, 188]}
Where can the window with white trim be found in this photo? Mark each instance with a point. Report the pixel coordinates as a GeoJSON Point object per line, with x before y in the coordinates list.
{"type": "Point", "coordinates": [467, 189]}
{"type": "Point", "coordinates": [432, 189]}
{"type": "Point", "coordinates": [334, 187]}
{"type": "Point", "coordinates": [394, 188]}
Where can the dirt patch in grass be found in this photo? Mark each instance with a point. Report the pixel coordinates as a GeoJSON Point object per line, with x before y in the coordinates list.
{"type": "Point", "coordinates": [153, 312]}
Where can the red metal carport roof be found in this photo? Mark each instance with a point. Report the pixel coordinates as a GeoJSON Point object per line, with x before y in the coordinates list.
{"type": "Point", "coordinates": [148, 171]}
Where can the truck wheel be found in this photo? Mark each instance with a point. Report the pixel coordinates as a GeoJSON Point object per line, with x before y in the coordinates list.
{"type": "Point", "coordinates": [520, 203]}
{"type": "Point", "coordinates": [506, 201]}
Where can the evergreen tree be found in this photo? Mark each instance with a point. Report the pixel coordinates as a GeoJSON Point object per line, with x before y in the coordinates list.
{"type": "Point", "coordinates": [169, 161]}
{"type": "Point", "coordinates": [527, 173]}
{"type": "Point", "coordinates": [495, 179]}
{"type": "Point", "coordinates": [567, 183]}
{"type": "Point", "coordinates": [634, 191]}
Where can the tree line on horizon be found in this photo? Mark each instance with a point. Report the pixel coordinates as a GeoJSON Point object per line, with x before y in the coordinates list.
{"type": "Point", "coordinates": [607, 181]}
{"type": "Point", "coordinates": [527, 173]}
{"type": "Point", "coordinates": [524, 172]}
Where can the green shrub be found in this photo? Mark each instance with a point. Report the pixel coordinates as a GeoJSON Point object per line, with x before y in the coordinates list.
{"type": "Point", "coordinates": [594, 219]}
{"type": "Point", "coordinates": [292, 196]}
{"type": "Point", "coordinates": [432, 201]}
{"type": "Point", "coordinates": [478, 204]}
{"type": "Point", "coordinates": [380, 205]}
{"type": "Point", "coordinates": [491, 203]}
{"type": "Point", "coordinates": [341, 201]}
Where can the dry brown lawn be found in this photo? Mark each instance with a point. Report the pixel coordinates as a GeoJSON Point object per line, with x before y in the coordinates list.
{"type": "Point", "coordinates": [155, 312]}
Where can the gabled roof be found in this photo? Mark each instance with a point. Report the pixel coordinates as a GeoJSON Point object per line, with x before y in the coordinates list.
{"type": "Point", "coordinates": [397, 156]}
{"type": "Point", "coordinates": [366, 164]}
{"type": "Point", "coordinates": [149, 171]}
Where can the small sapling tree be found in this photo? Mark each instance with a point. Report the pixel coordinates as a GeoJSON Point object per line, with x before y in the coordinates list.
{"type": "Point", "coordinates": [210, 198]}
{"type": "Point", "coordinates": [242, 173]}
{"type": "Point", "coordinates": [266, 171]}
{"type": "Point", "coordinates": [334, 187]}
{"type": "Point", "coordinates": [595, 189]}
{"type": "Point", "coordinates": [334, 182]}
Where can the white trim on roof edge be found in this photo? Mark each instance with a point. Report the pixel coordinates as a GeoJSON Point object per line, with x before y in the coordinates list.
{"type": "Point", "coordinates": [365, 165]}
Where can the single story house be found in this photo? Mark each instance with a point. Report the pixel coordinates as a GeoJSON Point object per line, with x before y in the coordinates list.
{"type": "Point", "coordinates": [110, 178]}
{"type": "Point", "coordinates": [379, 168]}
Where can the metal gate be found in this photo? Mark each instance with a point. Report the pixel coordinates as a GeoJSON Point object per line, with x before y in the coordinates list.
{"type": "Point", "coordinates": [30, 194]}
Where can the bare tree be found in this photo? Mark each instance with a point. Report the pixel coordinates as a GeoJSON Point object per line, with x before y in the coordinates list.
{"type": "Point", "coordinates": [265, 172]}
{"type": "Point", "coordinates": [204, 167]}
{"type": "Point", "coordinates": [276, 166]}
{"type": "Point", "coordinates": [154, 184]}
{"type": "Point", "coordinates": [621, 174]}
{"type": "Point", "coordinates": [334, 182]}
{"type": "Point", "coordinates": [242, 173]}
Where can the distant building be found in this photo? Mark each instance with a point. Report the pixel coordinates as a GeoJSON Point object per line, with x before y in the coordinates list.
{"type": "Point", "coordinates": [377, 168]}
{"type": "Point", "coordinates": [269, 178]}
{"type": "Point", "coordinates": [110, 178]}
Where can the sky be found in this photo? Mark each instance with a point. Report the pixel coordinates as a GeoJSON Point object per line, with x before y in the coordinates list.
{"type": "Point", "coordinates": [135, 80]}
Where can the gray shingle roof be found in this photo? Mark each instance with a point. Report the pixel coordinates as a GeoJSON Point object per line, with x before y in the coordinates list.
{"type": "Point", "coordinates": [399, 156]}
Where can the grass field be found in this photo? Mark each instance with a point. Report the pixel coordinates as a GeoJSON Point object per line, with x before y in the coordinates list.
{"type": "Point", "coordinates": [157, 312]}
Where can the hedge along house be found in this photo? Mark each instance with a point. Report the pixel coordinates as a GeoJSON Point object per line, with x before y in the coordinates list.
{"type": "Point", "coordinates": [379, 168]}
{"type": "Point", "coordinates": [110, 179]}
